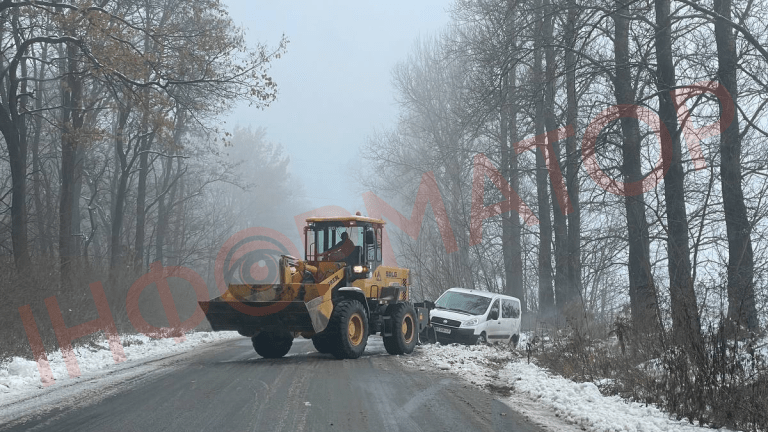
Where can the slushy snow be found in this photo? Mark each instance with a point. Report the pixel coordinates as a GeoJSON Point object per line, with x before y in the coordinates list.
{"type": "Point", "coordinates": [577, 404]}
{"type": "Point", "coordinates": [20, 377]}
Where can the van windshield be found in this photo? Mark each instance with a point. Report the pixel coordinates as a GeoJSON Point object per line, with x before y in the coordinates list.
{"type": "Point", "coordinates": [463, 302]}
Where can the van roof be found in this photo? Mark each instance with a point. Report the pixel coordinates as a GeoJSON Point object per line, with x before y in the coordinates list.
{"type": "Point", "coordinates": [481, 293]}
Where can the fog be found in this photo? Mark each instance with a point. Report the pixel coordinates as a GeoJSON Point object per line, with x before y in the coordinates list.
{"type": "Point", "coordinates": [334, 82]}
{"type": "Point", "coordinates": [129, 145]}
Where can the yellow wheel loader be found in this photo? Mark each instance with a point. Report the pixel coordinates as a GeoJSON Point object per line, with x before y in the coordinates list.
{"type": "Point", "coordinates": [337, 296]}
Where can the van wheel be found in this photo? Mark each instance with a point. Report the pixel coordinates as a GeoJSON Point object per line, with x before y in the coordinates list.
{"type": "Point", "coordinates": [514, 340]}
{"type": "Point", "coordinates": [481, 340]}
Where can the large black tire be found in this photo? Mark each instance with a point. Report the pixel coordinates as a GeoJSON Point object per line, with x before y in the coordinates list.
{"type": "Point", "coordinates": [514, 340]}
{"type": "Point", "coordinates": [246, 333]}
{"type": "Point", "coordinates": [404, 327]}
{"type": "Point", "coordinates": [347, 330]}
{"type": "Point", "coordinates": [322, 343]}
{"type": "Point", "coordinates": [272, 344]}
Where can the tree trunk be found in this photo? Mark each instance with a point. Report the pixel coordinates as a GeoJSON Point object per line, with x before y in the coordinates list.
{"type": "Point", "coordinates": [686, 326]}
{"type": "Point", "coordinates": [72, 121]}
{"type": "Point", "coordinates": [179, 241]}
{"type": "Point", "coordinates": [742, 310]}
{"type": "Point", "coordinates": [460, 261]}
{"type": "Point", "coordinates": [642, 292]}
{"type": "Point", "coordinates": [517, 286]}
{"type": "Point", "coordinates": [164, 206]}
{"type": "Point", "coordinates": [17, 155]}
{"type": "Point", "coordinates": [141, 197]}
{"type": "Point", "coordinates": [65, 206]}
{"type": "Point", "coordinates": [572, 158]}
{"type": "Point", "coordinates": [546, 295]}
{"type": "Point", "coordinates": [510, 221]}
{"type": "Point", "coordinates": [120, 191]}
{"type": "Point", "coordinates": [562, 291]}
{"type": "Point", "coordinates": [77, 191]}
{"type": "Point", "coordinates": [14, 130]}
{"type": "Point", "coordinates": [162, 211]}
{"type": "Point", "coordinates": [43, 242]}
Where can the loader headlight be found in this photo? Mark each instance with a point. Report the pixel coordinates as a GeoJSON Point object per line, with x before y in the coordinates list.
{"type": "Point", "coordinates": [470, 323]}
{"type": "Point", "coordinates": [359, 269]}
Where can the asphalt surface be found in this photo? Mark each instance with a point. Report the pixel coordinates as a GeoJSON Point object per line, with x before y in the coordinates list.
{"type": "Point", "coordinates": [228, 387]}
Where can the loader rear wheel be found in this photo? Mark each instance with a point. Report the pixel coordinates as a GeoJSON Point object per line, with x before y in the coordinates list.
{"type": "Point", "coordinates": [272, 343]}
{"type": "Point", "coordinates": [404, 336]}
{"type": "Point", "coordinates": [322, 343]}
{"type": "Point", "coordinates": [348, 330]}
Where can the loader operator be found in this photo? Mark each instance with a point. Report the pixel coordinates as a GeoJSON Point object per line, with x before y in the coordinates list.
{"type": "Point", "coordinates": [340, 250]}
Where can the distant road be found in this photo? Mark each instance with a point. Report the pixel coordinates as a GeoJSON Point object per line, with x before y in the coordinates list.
{"type": "Point", "coordinates": [228, 387]}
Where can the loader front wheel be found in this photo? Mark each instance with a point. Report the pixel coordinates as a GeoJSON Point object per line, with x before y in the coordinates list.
{"type": "Point", "coordinates": [272, 343]}
{"type": "Point", "coordinates": [322, 343]}
{"type": "Point", "coordinates": [347, 330]}
{"type": "Point", "coordinates": [404, 337]}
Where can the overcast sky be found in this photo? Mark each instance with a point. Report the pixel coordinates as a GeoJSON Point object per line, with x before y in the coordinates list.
{"type": "Point", "coordinates": [334, 82]}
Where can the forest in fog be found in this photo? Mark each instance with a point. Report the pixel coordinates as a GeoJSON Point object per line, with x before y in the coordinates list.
{"type": "Point", "coordinates": [614, 223]}
{"type": "Point", "coordinates": [634, 135]}
{"type": "Point", "coordinates": [115, 155]}
{"type": "Point", "coordinates": [602, 160]}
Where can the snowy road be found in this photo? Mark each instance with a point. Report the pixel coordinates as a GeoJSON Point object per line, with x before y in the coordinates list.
{"type": "Point", "coordinates": [227, 386]}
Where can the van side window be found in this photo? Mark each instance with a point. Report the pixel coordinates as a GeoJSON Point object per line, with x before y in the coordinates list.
{"type": "Point", "coordinates": [495, 307]}
{"type": "Point", "coordinates": [510, 309]}
{"type": "Point", "coordinates": [506, 308]}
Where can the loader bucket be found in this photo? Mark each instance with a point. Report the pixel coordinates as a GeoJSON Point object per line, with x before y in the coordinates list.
{"type": "Point", "coordinates": [250, 308]}
{"type": "Point", "coordinates": [226, 315]}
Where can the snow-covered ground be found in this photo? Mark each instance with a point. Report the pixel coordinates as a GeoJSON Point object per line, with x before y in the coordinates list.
{"type": "Point", "coordinates": [20, 378]}
{"type": "Point", "coordinates": [529, 388]}
{"type": "Point", "coordinates": [548, 399]}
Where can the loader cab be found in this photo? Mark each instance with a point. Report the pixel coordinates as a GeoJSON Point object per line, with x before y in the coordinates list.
{"type": "Point", "coordinates": [354, 240]}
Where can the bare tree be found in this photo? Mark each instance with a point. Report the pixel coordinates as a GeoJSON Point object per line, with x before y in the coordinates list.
{"type": "Point", "coordinates": [685, 312]}
{"type": "Point", "coordinates": [511, 225]}
{"type": "Point", "coordinates": [572, 156]}
{"type": "Point", "coordinates": [546, 293]}
{"type": "Point", "coordinates": [741, 291]}
{"type": "Point", "coordinates": [642, 291]}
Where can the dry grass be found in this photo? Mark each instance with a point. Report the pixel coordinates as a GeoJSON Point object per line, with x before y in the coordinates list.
{"type": "Point", "coordinates": [76, 303]}
{"type": "Point", "coordinates": [728, 387]}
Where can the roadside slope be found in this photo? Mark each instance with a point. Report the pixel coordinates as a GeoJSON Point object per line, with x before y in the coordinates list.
{"type": "Point", "coordinates": [543, 397]}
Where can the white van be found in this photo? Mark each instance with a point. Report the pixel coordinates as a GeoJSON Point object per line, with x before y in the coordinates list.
{"type": "Point", "coordinates": [470, 316]}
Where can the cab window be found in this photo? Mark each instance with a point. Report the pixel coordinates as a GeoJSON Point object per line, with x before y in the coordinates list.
{"type": "Point", "coordinates": [373, 246]}
{"type": "Point", "coordinates": [324, 239]}
{"type": "Point", "coordinates": [370, 244]}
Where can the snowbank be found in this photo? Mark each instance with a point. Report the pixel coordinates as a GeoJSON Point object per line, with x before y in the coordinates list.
{"type": "Point", "coordinates": [19, 376]}
{"type": "Point", "coordinates": [578, 404]}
